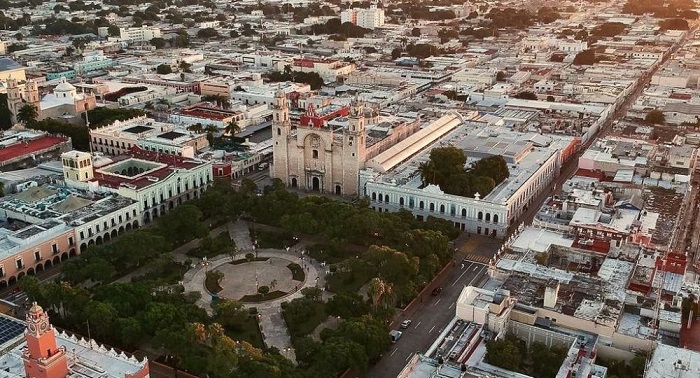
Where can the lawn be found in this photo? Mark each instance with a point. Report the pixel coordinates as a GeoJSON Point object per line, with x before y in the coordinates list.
{"type": "Point", "coordinates": [333, 254]}
{"type": "Point", "coordinates": [259, 298]}
{"type": "Point", "coordinates": [249, 331]}
{"type": "Point", "coordinates": [348, 282]}
{"type": "Point", "coordinates": [243, 261]}
{"type": "Point", "coordinates": [309, 325]}
{"type": "Point", "coordinates": [269, 239]}
{"type": "Point", "coordinates": [220, 244]}
{"type": "Point", "coordinates": [297, 272]}
{"type": "Point", "coordinates": [212, 282]}
{"type": "Point", "coordinates": [163, 272]}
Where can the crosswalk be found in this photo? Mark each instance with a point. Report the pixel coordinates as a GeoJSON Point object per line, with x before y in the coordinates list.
{"type": "Point", "coordinates": [477, 258]}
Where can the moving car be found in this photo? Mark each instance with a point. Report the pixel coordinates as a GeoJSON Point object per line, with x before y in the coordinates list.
{"type": "Point", "coordinates": [437, 290]}
{"type": "Point", "coordinates": [405, 323]}
{"type": "Point", "coordinates": [395, 335]}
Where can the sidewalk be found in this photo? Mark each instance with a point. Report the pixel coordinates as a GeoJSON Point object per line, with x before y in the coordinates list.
{"type": "Point", "coordinates": [272, 325]}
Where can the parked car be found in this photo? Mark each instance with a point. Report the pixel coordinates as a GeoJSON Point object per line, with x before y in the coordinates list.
{"type": "Point", "coordinates": [437, 290]}
{"type": "Point", "coordinates": [405, 323]}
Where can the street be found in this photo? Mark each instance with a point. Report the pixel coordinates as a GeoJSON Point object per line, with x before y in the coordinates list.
{"type": "Point", "coordinates": [433, 312]}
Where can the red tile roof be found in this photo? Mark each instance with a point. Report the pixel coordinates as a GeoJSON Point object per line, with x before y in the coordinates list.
{"type": "Point", "coordinates": [172, 161]}
{"type": "Point", "coordinates": [29, 147]}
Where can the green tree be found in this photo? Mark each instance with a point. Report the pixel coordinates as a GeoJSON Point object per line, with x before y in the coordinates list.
{"type": "Point", "coordinates": [101, 317]}
{"type": "Point", "coordinates": [182, 224]}
{"type": "Point", "coordinates": [416, 32]}
{"type": "Point", "coordinates": [158, 43]}
{"type": "Point", "coordinates": [347, 305]}
{"type": "Point", "coordinates": [113, 31]}
{"type": "Point", "coordinates": [506, 353]}
{"type": "Point", "coordinates": [526, 95]}
{"type": "Point", "coordinates": [231, 129]}
{"type": "Point", "coordinates": [586, 58]}
{"type": "Point", "coordinates": [339, 354]}
{"type": "Point", "coordinates": [312, 293]}
{"type": "Point", "coordinates": [164, 69]}
{"type": "Point", "coordinates": [207, 33]}
{"type": "Point", "coordinates": [368, 331]}
{"type": "Point", "coordinates": [27, 114]}
{"type": "Point", "coordinates": [655, 117]}
{"type": "Point", "coordinates": [263, 290]}
{"type": "Point", "coordinates": [546, 361]}
{"type": "Point", "coordinates": [229, 313]}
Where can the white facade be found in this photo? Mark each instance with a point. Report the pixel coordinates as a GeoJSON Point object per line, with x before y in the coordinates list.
{"type": "Point", "coordinates": [393, 182]}
{"type": "Point", "coordinates": [142, 34]}
{"type": "Point", "coordinates": [119, 137]}
{"type": "Point", "coordinates": [365, 18]}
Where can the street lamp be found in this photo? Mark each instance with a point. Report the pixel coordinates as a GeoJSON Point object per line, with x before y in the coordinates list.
{"type": "Point", "coordinates": [205, 263]}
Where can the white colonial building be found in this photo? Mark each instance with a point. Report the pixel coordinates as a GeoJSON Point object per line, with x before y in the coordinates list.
{"type": "Point", "coordinates": [158, 182]}
{"type": "Point", "coordinates": [392, 180]}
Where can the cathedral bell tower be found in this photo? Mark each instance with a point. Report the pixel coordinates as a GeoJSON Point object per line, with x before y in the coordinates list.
{"type": "Point", "coordinates": [42, 359]}
{"type": "Point", "coordinates": [354, 141]}
{"type": "Point", "coordinates": [281, 131]}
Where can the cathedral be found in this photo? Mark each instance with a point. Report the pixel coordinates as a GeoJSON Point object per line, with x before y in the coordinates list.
{"type": "Point", "coordinates": [63, 103]}
{"type": "Point", "coordinates": [319, 158]}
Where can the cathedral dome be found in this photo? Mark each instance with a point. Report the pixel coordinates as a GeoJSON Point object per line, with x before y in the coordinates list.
{"type": "Point", "coordinates": [64, 87]}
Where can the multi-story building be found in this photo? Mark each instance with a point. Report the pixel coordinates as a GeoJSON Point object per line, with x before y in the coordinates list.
{"type": "Point", "coordinates": [157, 181]}
{"type": "Point", "coordinates": [327, 157]}
{"type": "Point", "coordinates": [121, 136]}
{"type": "Point", "coordinates": [44, 225]}
{"type": "Point", "coordinates": [206, 115]}
{"type": "Point", "coordinates": [64, 100]}
{"type": "Point", "coordinates": [142, 34]}
{"type": "Point", "coordinates": [392, 180]}
{"type": "Point", "coordinates": [93, 61]}
{"type": "Point", "coordinates": [34, 348]}
{"type": "Point", "coordinates": [326, 68]}
{"type": "Point", "coordinates": [365, 18]}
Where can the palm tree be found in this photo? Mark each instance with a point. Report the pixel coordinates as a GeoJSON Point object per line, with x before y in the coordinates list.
{"type": "Point", "coordinates": [381, 293]}
{"type": "Point", "coordinates": [211, 129]}
{"type": "Point", "coordinates": [163, 101]}
{"type": "Point", "coordinates": [27, 114]}
{"type": "Point", "coordinates": [148, 105]}
{"type": "Point", "coordinates": [197, 128]}
{"type": "Point", "coordinates": [231, 129]}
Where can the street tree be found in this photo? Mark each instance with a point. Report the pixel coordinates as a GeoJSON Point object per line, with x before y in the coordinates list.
{"type": "Point", "coordinates": [655, 117]}
{"type": "Point", "coordinates": [27, 114]}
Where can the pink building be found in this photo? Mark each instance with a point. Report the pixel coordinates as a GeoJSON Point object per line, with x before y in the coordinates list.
{"type": "Point", "coordinates": [33, 248]}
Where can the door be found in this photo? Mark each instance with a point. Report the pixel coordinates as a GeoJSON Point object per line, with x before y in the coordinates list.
{"type": "Point", "coordinates": [316, 184]}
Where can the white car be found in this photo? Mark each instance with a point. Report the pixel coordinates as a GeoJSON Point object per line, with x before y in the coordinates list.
{"type": "Point", "coordinates": [406, 323]}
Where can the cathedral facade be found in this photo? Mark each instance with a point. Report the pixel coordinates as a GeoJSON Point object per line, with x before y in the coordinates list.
{"type": "Point", "coordinates": [318, 158]}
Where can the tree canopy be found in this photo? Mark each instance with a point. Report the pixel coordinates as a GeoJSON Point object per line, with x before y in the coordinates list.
{"type": "Point", "coordinates": [446, 168]}
{"type": "Point", "coordinates": [655, 117]}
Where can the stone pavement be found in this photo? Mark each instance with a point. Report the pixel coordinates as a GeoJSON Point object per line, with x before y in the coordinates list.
{"type": "Point", "coordinates": [272, 325]}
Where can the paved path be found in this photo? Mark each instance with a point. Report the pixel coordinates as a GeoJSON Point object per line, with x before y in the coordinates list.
{"type": "Point", "coordinates": [272, 325]}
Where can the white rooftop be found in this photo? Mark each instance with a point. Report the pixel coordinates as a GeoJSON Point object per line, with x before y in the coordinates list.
{"type": "Point", "coordinates": [668, 361]}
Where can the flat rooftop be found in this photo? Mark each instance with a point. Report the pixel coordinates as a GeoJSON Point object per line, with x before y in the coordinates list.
{"type": "Point", "coordinates": [524, 158]}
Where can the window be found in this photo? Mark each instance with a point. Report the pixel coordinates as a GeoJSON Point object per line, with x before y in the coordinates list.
{"type": "Point", "coordinates": [37, 256]}
{"type": "Point", "coordinates": [2, 271]}
{"type": "Point", "coordinates": [314, 154]}
{"type": "Point", "coordinates": [54, 248]}
{"type": "Point", "coordinates": [279, 131]}
{"type": "Point", "coordinates": [82, 235]}
{"type": "Point", "coordinates": [20, 264]}
{"type": "Point", "coordinates": [70, 241]}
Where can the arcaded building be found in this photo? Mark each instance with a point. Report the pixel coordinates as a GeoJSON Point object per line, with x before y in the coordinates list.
{"type": "Point", "coordinates": [325, 154]}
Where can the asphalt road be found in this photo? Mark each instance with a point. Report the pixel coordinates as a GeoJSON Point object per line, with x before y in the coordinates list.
{"type": "Point", "coordinates": [428, 317]}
